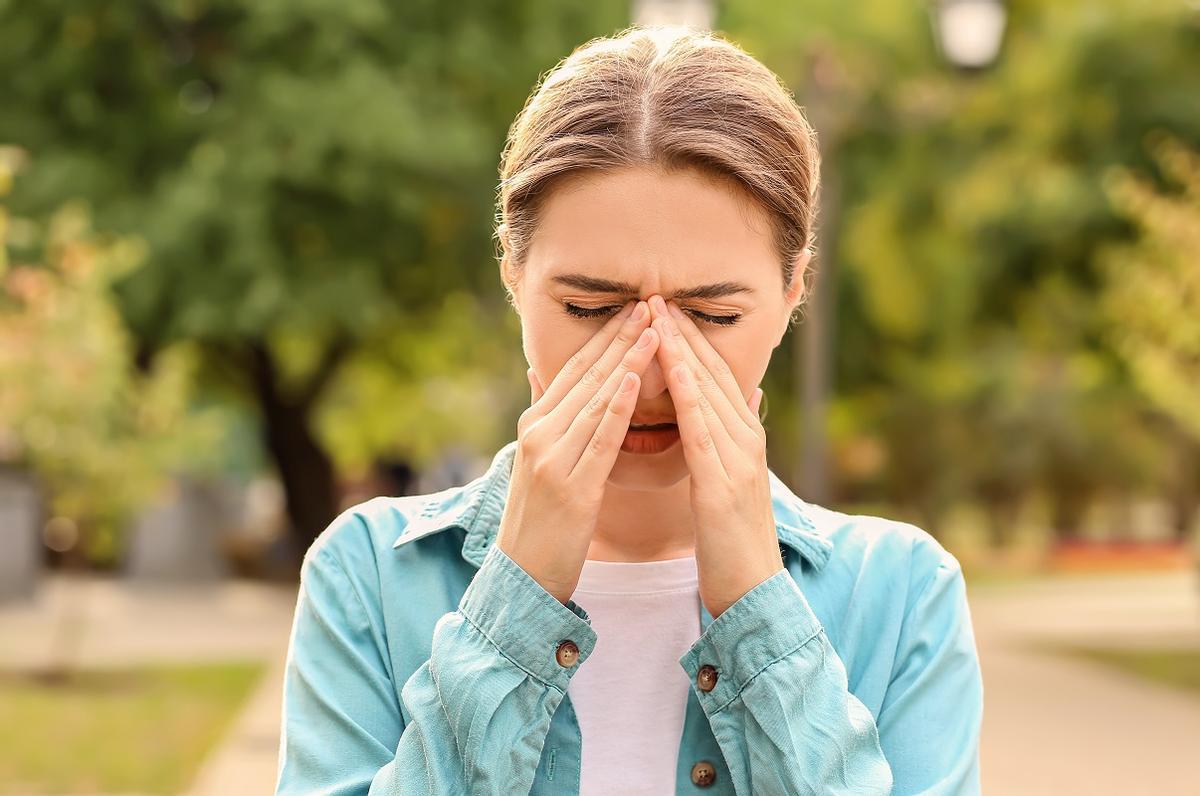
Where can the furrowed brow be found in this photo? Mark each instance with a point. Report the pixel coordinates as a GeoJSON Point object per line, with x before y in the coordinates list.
{"type": "Point", "coordinates": [592, 284]}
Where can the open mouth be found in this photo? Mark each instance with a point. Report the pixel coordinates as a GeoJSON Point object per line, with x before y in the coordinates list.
{"type": "Point", "coordinates": [650, 438]}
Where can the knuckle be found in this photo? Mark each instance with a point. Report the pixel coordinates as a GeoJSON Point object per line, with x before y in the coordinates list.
{"type": "Point", "coordinates": [593, 377]}
{"type": "Point", "coordinates": [527, 419]}
{"type": "Point", "coordinates": [529, 443]}
{"type": "Point", "coordinates": [596, 405]}
{"type": "Point", "coordinates": [599, 444]}
{"type": "Point", "coordinates": [614, 405]}
{"type": "Point", "coordinates": [574, 363]}
{"type": "Point", "coordinates": [542, 471]}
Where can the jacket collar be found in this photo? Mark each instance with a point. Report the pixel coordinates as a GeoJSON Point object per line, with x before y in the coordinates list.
{"type": "Point", "coordinates": [478, 506]}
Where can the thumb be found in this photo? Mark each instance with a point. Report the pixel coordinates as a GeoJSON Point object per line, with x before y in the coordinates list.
{"type": "Point", "coordinates": [535, 387]}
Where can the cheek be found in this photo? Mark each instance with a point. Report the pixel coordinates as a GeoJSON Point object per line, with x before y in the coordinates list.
{"type": "Point", "coordinates": [550, 339]}
{"type": "Point", "coordinates": [747, 352]}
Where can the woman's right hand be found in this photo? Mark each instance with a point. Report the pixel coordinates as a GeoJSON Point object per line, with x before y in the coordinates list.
{"type": "Point", "coordinates": [567, 443]}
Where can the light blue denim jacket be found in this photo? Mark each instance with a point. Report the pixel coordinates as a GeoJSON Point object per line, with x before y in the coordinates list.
{"type": "Point", "coordinates": [422, 660]}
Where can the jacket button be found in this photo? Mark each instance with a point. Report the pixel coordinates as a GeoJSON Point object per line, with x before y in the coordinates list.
{"type": "Point", "coordinates": [567, 653]}
{"type": "Point", "coordinates": [706, 678]}
{"type": "Point", "coordinates": [704, 774]}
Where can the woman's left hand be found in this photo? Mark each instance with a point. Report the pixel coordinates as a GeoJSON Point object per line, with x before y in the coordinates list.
{"type": "Point", "coordinates": [725, 445]}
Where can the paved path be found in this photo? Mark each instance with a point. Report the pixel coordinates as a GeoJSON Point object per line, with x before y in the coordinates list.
{"type": "Point", "coordinates": [1052, 725]}
{"type": "Point", "coordinates": [1056, 725]}
{"type": "Point", "coordinates": [115, 624]}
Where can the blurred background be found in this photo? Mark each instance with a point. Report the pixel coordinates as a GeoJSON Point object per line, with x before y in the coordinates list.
{"type": "Point", "coordinates": [248, 280]}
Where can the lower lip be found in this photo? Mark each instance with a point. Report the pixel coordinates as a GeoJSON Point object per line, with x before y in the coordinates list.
{"type": "Point", "coordinates": [655, 441]}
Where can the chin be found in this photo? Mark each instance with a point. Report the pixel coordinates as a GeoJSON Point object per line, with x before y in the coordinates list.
{"type": "Point", "coordinates": [649, 472]}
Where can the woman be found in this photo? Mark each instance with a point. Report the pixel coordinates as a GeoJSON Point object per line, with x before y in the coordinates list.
{"type": "Point", "coordinates": [629, 601]}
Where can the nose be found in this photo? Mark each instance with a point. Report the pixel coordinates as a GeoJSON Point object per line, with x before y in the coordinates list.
{"type": "Point", "coordinates": [654, 381]}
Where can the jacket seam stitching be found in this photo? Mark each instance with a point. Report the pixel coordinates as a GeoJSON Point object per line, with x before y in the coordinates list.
{"type": "Point", "coordinates": [508, 657]}
{"type": "Point", "coordinates": [766, 666]}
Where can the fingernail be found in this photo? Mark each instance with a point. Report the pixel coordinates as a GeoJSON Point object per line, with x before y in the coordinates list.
{"type": "Point", "coordinates": [675, 311]}
{"type": "Point", "coordinates": [628, 382]}
{"type": "Point", "coordinates": [659, 304]}
{"type": "Point", "coordinates": [639, 311]}
{"type": "Point", "coordinates": [644, 340]}
{"type": "Point", "coordinates": [681, 373]}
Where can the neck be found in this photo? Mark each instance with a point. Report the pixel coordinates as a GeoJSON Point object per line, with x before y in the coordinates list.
{"type": "Point", "coordinates": [639, 525]}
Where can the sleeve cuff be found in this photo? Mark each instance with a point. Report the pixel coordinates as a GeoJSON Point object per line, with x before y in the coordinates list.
{"type": "Point", "coordinates": [523, 620]}
{"type": "Point", "coordinates": [770, 622]}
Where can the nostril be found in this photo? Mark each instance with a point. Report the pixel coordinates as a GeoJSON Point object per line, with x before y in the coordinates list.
{"type": "Point", "coordinates": [654, 383]}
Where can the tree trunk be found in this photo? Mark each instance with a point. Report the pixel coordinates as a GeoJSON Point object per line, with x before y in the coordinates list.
{"type": "Point", "coordinates": [305, 469]}
{"type": "Point", "coordinates": [1184, 494]}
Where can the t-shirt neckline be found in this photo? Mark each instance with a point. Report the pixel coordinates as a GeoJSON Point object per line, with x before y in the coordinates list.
{"type": "Point", "coordinates": [640, 577]}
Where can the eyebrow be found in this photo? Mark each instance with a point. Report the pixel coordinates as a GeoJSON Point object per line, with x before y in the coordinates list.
{"type": "Point", "coordinates": [592, 284]}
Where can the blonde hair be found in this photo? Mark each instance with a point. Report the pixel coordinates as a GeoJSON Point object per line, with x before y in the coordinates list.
{"type": "Point", "coordinates": [671, 98]}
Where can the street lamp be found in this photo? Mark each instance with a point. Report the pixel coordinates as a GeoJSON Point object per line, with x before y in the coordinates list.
{"type": "Point", "coordinates": [969, 32]}
{"type": "Point", "coordinates": [691, 13]}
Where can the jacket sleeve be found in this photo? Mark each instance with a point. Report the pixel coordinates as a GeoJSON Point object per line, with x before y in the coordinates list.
{"type": "Point", "coordinates": [929, 723]}
{"type": "Point", "coordinates": [479, 708]}
{"type": "Point", "coordinates": [787, 723]}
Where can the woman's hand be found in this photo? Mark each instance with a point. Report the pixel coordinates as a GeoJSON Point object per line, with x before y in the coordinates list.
{"type": "Point", "coordinates": [725, 446]}
{"type": "Point", "coordinates": [567, 443]}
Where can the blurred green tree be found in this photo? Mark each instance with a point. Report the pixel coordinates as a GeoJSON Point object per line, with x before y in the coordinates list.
{"type": "Point", "coordinates": [313, 180]}
{"type": "Point", "coordinates": [969, 339]}
{"type": "Point", "coordinates": [102, 437]}
{"type": "Point", "coordinates": [1153, 298]}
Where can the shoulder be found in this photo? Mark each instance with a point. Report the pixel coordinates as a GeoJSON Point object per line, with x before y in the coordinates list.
{"type": "Point", "coordinates": [351, 548]}
{"type": "Point", "coordinates": [365, 528]}
{"type": "Point", "coordinates": [888, 551]}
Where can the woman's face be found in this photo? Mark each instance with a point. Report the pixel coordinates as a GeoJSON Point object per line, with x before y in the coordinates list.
{"type": "Point", "coordinates": [607, 237]}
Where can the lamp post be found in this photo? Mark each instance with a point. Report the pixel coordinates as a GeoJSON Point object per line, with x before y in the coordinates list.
{"type": "Point", "coordinates": [969, 32]}
{"type": "Point", "coordinates": [692, 13]}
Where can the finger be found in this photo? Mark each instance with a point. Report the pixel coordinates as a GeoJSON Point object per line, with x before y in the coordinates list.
{"type": "Point", "coordinates": [535, 387]}
{"type": "Point", "coordinates": [581, 360]}
{"type": "Point", "coordinates": [577, 441]}
{"type": "Point", "coordinates": [601, 454]}
{"type": "Point", "coordinates": [673, 352]}
{"type": "Point", "coordinates": [589, 377]}
{"type": "Point", "coordinates": [717, 366]}
{"type": "Point", "coordinates": [699, 448]}
{"type": "Point", "coordinates": [756, 400]}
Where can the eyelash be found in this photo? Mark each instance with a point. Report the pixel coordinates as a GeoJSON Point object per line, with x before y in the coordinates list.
{"type": "Point", "coordinates": [597, 312]}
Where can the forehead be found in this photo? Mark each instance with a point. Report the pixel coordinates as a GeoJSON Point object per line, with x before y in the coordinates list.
{"type": "Point", "coordinates": [654, 229]}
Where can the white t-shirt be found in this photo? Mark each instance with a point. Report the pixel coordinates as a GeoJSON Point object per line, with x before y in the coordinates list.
{"type": "Point", "coordinates": [631, 693]}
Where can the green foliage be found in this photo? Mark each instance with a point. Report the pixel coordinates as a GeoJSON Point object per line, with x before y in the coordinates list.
{"type": "Point", "coordinates": [1175, 668]}
{"type": "Point", "coordinates": [1153, 291]}
{"type": "Point", "coordinates": [311, 180]}
{"type": "Point", "coordinates": [298, 170]}
{"type": "Point", "coordinates": [974, 217]}
{"type": "Point", "coordinates": [102, 436]}
{"type": "Point", "coordinates": [129, 730]}
{"type": "Point", "coordinates": [313, 183]}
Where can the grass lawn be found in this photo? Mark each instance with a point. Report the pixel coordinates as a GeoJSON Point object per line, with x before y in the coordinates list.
{"type": "Point", "coordinates": [1179, 668]}
{"type": "Point", "coordinates": [143, 729]}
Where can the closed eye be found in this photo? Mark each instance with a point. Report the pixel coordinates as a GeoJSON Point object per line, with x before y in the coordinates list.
{"type": "Point", "coordinates": [604, 312]}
